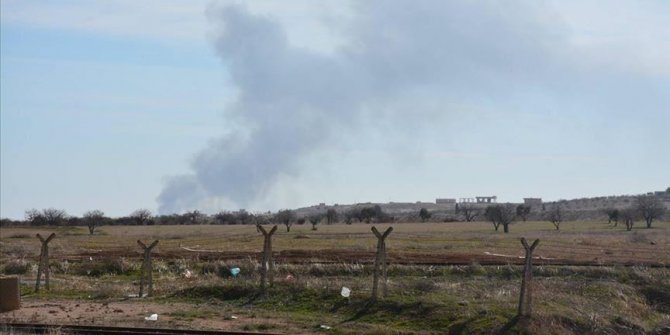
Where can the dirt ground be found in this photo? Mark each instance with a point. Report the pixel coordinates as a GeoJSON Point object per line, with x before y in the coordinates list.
{"type": "Point", "coordinates": [132, 313]}
{"type": "Point", "coordinates": [578, 243]}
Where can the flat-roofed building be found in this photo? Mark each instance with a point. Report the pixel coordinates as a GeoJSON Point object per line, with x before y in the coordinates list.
{"type": "Point", "coordinates": [486, 200]}
{"type": "Point", "coordinates": [532, 201]}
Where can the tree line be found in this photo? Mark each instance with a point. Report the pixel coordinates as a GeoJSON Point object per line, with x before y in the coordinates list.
{"type": "Point", "coordinates": [141, 217]}
{"type": "Point", "coordinates": [646, 207]}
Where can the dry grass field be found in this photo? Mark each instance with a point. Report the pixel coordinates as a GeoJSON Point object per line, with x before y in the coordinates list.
{"type": "Point", "coordinates": [455, 278]}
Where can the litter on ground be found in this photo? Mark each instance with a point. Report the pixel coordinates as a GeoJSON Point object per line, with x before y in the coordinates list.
{"type": "Point", "coordinates": [152, 317]}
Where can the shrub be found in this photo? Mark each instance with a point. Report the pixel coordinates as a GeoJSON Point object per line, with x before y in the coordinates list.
{"type": "Point", "coordinates": [104, 291]}
{"type": "Point", "coordinates": [178, 267]}
{"type": "Point", "coordinates": [475, 269]}
{"type": "Point", "coordinates": [424, 285]}
{"type": "Point", "coordinates": [208, 268]}
{"type": "Point", "coordinates": [103, 267]}
{"type": "Point", "coordinates": [16, 267]}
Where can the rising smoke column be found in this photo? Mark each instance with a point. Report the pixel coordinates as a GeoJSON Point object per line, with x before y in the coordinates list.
{"type": "Point", "coordinates": [291, 99]}
{"type": "Point", "coordinates": [288, 101]}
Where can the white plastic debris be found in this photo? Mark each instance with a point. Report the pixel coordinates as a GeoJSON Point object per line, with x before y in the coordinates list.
{"type": "Point", "coordinates": [326, 327]}
{"type": "Point", "coordinates": [152, 317]}
{"type": "Point", "coordinates": [346, 292]}
{"type": "Point", "coordinates": [188, 274]}
{"type": "Point", "coordinates": [233, 317]}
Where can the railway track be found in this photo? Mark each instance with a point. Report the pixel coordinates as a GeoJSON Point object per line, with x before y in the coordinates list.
{"type": "Point", "coordinates": [34, 328]}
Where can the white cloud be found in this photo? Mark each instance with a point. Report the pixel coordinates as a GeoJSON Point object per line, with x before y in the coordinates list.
{"type": "Point", "coordinates": [165, 20]}
{"type": "Point", "coordinates": [627, 36]}
{"type": "Point", "coordinates": [310, 24]}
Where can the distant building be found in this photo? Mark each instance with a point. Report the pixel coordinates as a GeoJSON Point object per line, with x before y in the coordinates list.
{"type": "Point", "coordinates": [532, 201]}
{"type": "Point", "coordinates": [445, 201]}
{"type": "Point", "coordinates": [486, 200]}
{"type": "Point", "coordinates": [663, 195]}
{"type": "Point", "coordinates": [466, 200]}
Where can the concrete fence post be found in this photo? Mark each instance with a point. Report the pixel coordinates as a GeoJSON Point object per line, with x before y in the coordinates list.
{"type": "Point", "coordinates": [146, 274]}
{"type": "Point", "coordinates": [380, 262]}
{"type": "Point", "coordinates": [267, 266]}
{"type": "Point", "coordinates": [526, 294]}
{"type": "Point", "coordinates": [44, 261]}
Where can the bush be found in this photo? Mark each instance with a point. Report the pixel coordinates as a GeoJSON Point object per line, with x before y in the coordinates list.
{"type": "Point", "coordinates": [104, 291]}
{"type": "Point", "coordinates": [475, 269]}
{"type": "Point", "coordinates": [178, 267]}
{"type": "Point", "coordinates": [424, 285]}
{"type": "Point", "coordinates": [103, 267]}
{"type": "Point", "coordinates": [208, 268]}
{"type": "Point", "coordinates": [16, 267]}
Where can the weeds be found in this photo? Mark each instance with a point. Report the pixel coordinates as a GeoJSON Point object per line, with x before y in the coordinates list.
{"type": "Point", "coordinates": [104, 267]}
{"type": "Point", "coordinates": [19, 235]}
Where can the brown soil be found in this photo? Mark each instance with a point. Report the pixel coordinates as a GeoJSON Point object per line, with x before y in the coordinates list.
{"type": "Point", "coordinates": [131, 313]}
{"type": "Point", "coordinates": [591, 256]}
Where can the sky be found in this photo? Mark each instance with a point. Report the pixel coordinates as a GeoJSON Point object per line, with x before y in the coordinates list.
{"type": "Point", "coordinates": [222, 105]}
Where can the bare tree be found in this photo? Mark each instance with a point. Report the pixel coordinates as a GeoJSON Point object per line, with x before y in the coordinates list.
{"type": "Point", "coordinates": [628, 216]}
{"type": "Point", "coordinates": [93, 219]}
{"type": "Point", "coordinates": [469, 211]}
{"type": "Point", "coordinates": [555, 216]}
{"type": "Point", "coordinates": [315, 219]}
{"type": "Point", "coordinates": [523, 211]}
{"type": "Point", "coordinates": [331, 216]}
{"type": "Point", "coordinates": [54, 217]}
{"type": "Point", "coordinates": [48, 216]}
{"type": "Point", "coordinates": [425, 215]}
{"type": "Point", "coordinates": [286, 217]}
{"type": "Point", "coordinates": [141, 216]}
{"type": "Point", "coordinates": [244, 217]}
{"type": "Point", "coordinates": [490, 213]}
{"type": "Point", "coordinates": [350, 215]}
{"type": "Point", "coordinates": [367, 214]}
{"type": "Point", "coordinates": [225, 218]}
{"type": "Point", "coordinates": [612, 215]}
{"type": "Point", "coordinates": [507, 216]}
{"type": "Point", "coordinates": [35, 217]}
{"type": "Point", "coordinates": [192, 217]}
{"type": "Point", "coordinates": [501, 215]}
{"type": "Point", "coordinates": [650, 208]}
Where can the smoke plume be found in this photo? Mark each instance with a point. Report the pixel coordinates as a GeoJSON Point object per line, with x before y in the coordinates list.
{"type": "Point", "coordinates": [292, 100]}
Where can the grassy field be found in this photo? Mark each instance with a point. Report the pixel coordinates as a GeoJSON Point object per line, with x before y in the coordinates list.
{"type": "Point", "coordinates": [193, 290]}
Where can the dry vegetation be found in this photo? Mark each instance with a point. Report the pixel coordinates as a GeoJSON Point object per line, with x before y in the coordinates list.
{"type": "Point", "coordinates": [426, 294]}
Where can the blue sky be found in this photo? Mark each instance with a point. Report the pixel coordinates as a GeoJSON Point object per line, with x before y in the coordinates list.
{"type": "Point", "coordinates": [175, 106]}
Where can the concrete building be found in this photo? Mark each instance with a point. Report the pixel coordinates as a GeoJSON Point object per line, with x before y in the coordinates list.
{"type": "Point", "coordinates": [486, 200]}
{"type": "Point", "coordinates": [532, 201]}
{"type": "Point", "coordinates": [445, 201]}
